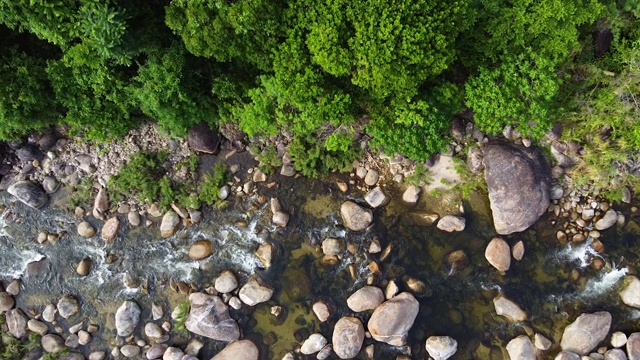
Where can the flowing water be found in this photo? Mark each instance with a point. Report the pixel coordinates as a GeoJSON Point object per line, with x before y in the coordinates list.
{"type": "Point", "coordinates": [140, 265]}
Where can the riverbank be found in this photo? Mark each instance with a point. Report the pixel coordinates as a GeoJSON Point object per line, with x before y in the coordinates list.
{"type": "Point", "coordinates": [288, 239]}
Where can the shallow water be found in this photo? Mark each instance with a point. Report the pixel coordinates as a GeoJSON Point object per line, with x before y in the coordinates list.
{"type": "Point", "coordinates": [458, 304]}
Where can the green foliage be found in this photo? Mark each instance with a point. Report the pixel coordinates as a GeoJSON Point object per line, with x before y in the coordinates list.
{"type": "Point", "coordinates": [245, 30]}
{"type": "Point", "coordinates": [26, 100]}
{"type": "Point", "coordinates": [268, 158]}
{"type": "Point", "coordinates": [416, 129]}
{"type": "Point", "coordinates": [312, 158]}
{"type": "Point", "coordinates": [605, 119]}
{"type": "Point", "coordinates": [168, 89]}
{"type": "Point", "coordinates": [470, 183]}
{"type": "Point", "coordinates": [209, 187]}
{"type": "Point", "coordinates": [419, 177]}
{"type": "Point", "coordinates": [506, 27]}
{"type": "Point", "coordinates": [94, 94]}
{"type": "Point", "coordinates": [82, 193]}
{"type": "Point", "coordinates": [384, 46]}
{"type": "Point", "coordinates": [519, 92]}
{"type": "Point", "coordinates": [12, 348]}
{"type": "Point", "coordinates": [180, 320]}
{"type": "Point", "coordinates": [144, 178]}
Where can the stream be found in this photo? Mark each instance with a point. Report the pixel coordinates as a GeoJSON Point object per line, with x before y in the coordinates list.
{"type": "Point", "coordinates": [142, 266]}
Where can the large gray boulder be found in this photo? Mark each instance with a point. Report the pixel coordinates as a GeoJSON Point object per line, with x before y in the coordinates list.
{"type": "Point", "coordinates": [239, 350]}
{"type": "Point", "coordinates": [366, 298]}
{"type": "Point", "coordinates": [441, 347]}
{"type": "Point", "coordinates": [29, 193]}
{"type": "Point", "coordinates": [518, 183]}
{"type": "Point", "coordinates": [630, 292]}
{"type": "Point", "coordinates": [354, 216]}
{"type": "Point", "coordinates": [348, 335]}
{"type": "Point", "coordinates": [202, 138]}
{"type": "Point", "coordinates": [209, 317]}
{"type": "Point", "coordinates": [392, 320]}
{"type": "Point", "coordinates": [16, 322]}
{"type": "Point", "coordinates": [521, 348]}
{"type": "Point", "coordinates": [586, 332]}
{"type": "Point", "coordinates": [633, 346]}
{"type": "Point", "coordinates": [127, 318]}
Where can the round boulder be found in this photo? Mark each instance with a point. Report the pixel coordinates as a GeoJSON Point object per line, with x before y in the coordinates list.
{"type": "Point", "coordinates": [239, 350]}
{"type": "Point", "coordinates": [226, 282]}
{"type": "Point", "coordinates": [202, 138]}
{"type": "Point", "coordinates": [630, 292]}
{"type": "Point", "coordinates": [392, 320]}
{"type": "Point", "coordinates": [498, 254]}
{"type": "Point", "coordinates": [517, 180]}
{"type": "Point", "coordinates": [200, 249]}
{"type": "Point", "coordinates": [29, 193]}
{"type": "Point", "coordinates": [451, 223]}
{"type": "Point", "coordinates": [521, 348]}
{"type": "Point", "coordinates": [52, 343]}
{"type": "Point", "coordinates": [169, 224]}
{"type": "Point", "coordinates": [127, 317]}
{"type": "Point", "coordinates": [86, 230]}
{"type": "Point", "coordinates": [365, 298]}
{"type": "Point", "coordinates": [586, 332]}
{"type": "Point", "coordinates": [441, 347]}
{"type": "Point", "coordinates": [68, 306]}
{"type": "Point", "coordinates": [6, 301]}
{"type": "Point", "coordinates": [355, 217]}
{"type": "Point", "coordinates": [348, 336]}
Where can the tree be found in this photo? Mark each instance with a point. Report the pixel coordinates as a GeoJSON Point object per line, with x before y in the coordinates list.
{"type": "Point", "coordinates": [172, 89]}
{"type": "Point", "coordinates": [519, 92]}
{"type": "Point", "coordinates": [245, 30]}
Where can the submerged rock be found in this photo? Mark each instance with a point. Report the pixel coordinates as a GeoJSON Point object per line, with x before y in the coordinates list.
{"type": "Point", "coordinates": [509, 309]}
{"type": "Point", "coordinates": [586, 332]}
{"type": "Point", "coordinates": [239, 350]}
{"type": "Point", "coordinates": [518, 183]}
{"type": "Point", "coordinates": [348, 336]}
{"type": "Point", "coordinates": [354, 216]}
{"type": "Point", "coordinates": [29, 193]}
{"type": "Point", "coordinates": [498, 254]}
{"type": "Point", "coordinates": [127, 318]}
{"type": "Point", "coordinates": [68, 306]}
{"type": "Point", "coordinates": [521, 348]}
{"type": "Point", "coordinates": [209, 317]}
{"type": "Point", "coordinates": [392, 320]}
{"type": "Point", "coordinates": [441, 347]}
{"type": "Point", "coordinates": [450, 223]}
{"type": "Point", "coordinates": [365, 298]}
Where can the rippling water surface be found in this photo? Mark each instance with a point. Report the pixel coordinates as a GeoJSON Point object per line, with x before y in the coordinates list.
{"type": "Point", "coordinates": [141, 265]}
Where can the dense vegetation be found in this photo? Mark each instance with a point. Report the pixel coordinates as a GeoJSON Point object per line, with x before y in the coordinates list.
{"type": "Point", "coordinates": [325, 72]}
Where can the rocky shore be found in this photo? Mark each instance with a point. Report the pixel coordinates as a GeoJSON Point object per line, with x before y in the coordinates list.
{"type": "Point", "coordinates": [521, 187]}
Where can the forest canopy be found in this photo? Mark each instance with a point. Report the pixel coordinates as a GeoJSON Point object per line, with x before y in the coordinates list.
{"type": "Point", "coordinates": [326, 72]}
